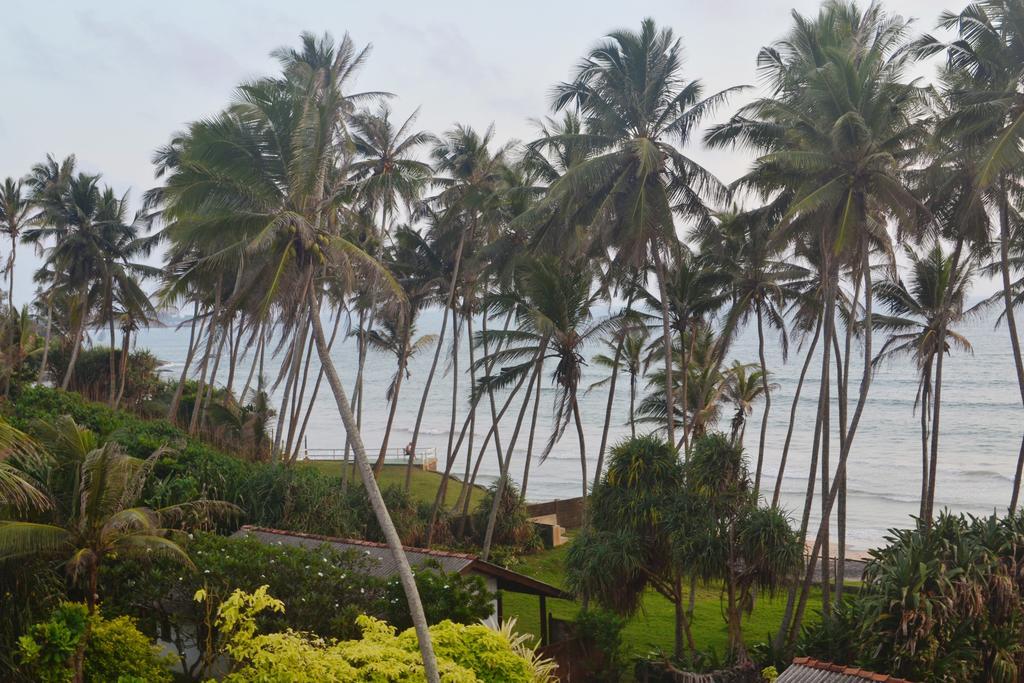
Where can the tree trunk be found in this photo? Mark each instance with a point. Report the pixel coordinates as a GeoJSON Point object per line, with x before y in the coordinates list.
{"type": "Point", "coordinates": [316, 389]}
{"type": "Point", "coordinates": [926, 402]}
{"type": "Point", "coordinates": [767, 401]}
{"type": "Point", "coordinates": [583, 453]}
{"type": "Point", "coordinates": [112, 389]}
{"type": "Point", "coordinates": [172, 411]}
{"type": "Point", "coordinates": [529, 443]}
{"type": "Point", "coordinates": [378, 466]}
{"type": "Point", "coordinates": [503, 474]}
{"type": "Point", "coordinates": [437, 354]}
{"type": "Point", "coordinates": [125, 349]}
{"type": "Point", "coordinates": [255, 361]}
{"type": "Point", "coordinates": [77, 344]}
{"type": "Point", "coordinates": [844, 455]}
{"type": "Point", "coordinates": [46, 342]}
{"type": "Point", "coordinates": [792, 415]}
{"type": "Point", "coordinates": [608, 410]}
{"type": "Point", "coordinates": [376, 500]}
{"type": "Point", "coordinates": [1011, 324]}
{"type": "Point", "coordinates": [667, 339]}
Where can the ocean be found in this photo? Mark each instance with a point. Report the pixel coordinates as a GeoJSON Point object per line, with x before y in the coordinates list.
{"type": "Point", "coordinates": [981, 424]}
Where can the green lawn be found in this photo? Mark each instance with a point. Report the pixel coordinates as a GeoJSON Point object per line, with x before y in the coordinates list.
{"type": "Point", "coordinates": [653, 628]}
{"type": "Point", "coordinates": [423, 485]}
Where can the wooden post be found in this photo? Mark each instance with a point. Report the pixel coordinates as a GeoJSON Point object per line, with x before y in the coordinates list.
{"type": "Point", "coordinates": [543, 620]}
{"type": "Point", "coordinates": [499, 608]}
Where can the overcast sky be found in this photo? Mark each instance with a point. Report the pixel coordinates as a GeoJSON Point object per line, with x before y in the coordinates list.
{"type": "Point", "coordinates": [111, 81]}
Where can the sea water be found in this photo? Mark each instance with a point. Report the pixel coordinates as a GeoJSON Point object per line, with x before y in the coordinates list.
{"type": "Point", "coordinates": [980, 436]}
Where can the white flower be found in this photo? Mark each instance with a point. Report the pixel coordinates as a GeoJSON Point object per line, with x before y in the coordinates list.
{"type": "Point", "coordinates": [206, 571]}
{"type": "Point", "coordinates": [321, 574]}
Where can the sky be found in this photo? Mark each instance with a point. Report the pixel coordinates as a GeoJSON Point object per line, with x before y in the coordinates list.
{"type": "Point", "coordinates": [111, 81]}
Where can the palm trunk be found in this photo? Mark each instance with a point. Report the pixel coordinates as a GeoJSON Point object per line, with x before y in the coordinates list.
{"type": "Point", "coordinates": [455, 395]}
{"type": "Point", "coordinates": [46, 342]}
{"type": "Point", "coordinates": [608, 410]}
{"type": "Point", "coordinates": [844, 455]}
{"type": "Point", "coordinates": [929, 510]}
{"type": "Point", "coordinates": [926, 402]}
{"type": "Point", "coordinates": [298, 400]}
{"type": "Point", "coordinates": [503, 474]}
{"type": "Point", "coordinates": [77, 344]}
{"type": "Point", "coordinates": [1011, 324]}
{"type": "Point", "coordinates": [378, 466]}
{"type": "Point", "coordinates": [792, 415]}
{"type": "Point", "coordinates": [316, 390]}
{"type": "Point", "coordinates": [210, 337]}
{"type": "Point", "coordinates": [667, 339]}
{"type": "Point", "coordinates": [437, 355]}
{"type": "Point", "coordinates": [112, 389]}
{"type": "Point", "coordinates": [172, 411]}
{"type": "Point", "coordinates": [255, 361]}
{"type": "Point", "coordinates": [380, 510]}
{"type": "Point", "coordinates": [529, 443]}
{"type": "Point", "coordinates": [211, 387]}
{"type": "Point", "coordinates": [767, 401]}
{"type": "Point", "coordinates": [583, 453]}
{"type": "Point", "coordinates": [125, 347]}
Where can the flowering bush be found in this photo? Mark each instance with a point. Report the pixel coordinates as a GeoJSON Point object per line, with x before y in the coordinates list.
{"type": "Point", "coordinates": [465, 654]}
{"type": "Point", "coordinates": [462, 599]}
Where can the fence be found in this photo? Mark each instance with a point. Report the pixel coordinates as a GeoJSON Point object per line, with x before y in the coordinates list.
{"type": "Point", "coordinates": [425, 458]}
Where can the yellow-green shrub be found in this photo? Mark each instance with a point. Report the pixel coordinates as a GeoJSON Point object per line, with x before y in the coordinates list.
{"type": "Point", "coordinates": [465, 654]}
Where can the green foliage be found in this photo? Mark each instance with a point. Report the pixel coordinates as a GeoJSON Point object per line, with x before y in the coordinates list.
{"type": "Point", "coordinates": [465, 654]}
{"type": "Point", "coordinates": [29, 591]}
{"type": "Point", "coordinates": [445, 596]}
{"type": "Point", "coordinates": [92, 374]}
{"type": "Point", "coordinates": [513, 528]}
{"type": "Point", "coordinates": [600, 636]}
{"type": "Point", "coordinates": [114, 649]}
{"type": "Point", "coordinates": [941, 602]}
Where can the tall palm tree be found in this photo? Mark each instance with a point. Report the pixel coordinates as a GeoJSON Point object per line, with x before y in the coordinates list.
{"type": "Point", "coordinates": [922, 314]}
{"type": "Point", "coordinates": [14, 210]}
{"type": "Point", "coordinates": [741, 248]}
{"type": "Point", "coordinates": [262, 179]}
{"type": "Point", "coordinates": [838, 130]}
{"type": "Point", "coordinates": [984, 79]}
{"type": "Point", "coordinates": [553, 302]}
{"type": "Point", "coordinates": [638, 114]}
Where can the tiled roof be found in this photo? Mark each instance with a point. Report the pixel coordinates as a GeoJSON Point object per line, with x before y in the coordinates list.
{"type": "Point", "coordinates": [807, 670]}
{"type": "Point", "coordinates": [382, 563]}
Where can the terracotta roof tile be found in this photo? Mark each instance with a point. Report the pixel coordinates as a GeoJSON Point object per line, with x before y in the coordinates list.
{"type": "Point", "coordinates": [808, 670]}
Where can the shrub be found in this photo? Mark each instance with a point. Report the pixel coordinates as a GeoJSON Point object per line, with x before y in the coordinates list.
{"type": "Point", "coordinates": [465, 654]}
{"type": "Point", "coordinates": [513, 527]}
{"type": "Point", "coordinates": [113, 650]}
{"type": "Point", "coordinates": [445, 596]}
{"type": "Point", "coordinates": [600, 637]}
{"type": "Point", "coordinates": [92, 374]}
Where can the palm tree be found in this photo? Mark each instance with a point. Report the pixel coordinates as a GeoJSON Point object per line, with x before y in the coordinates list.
{"type": "Point", "coordinates": [262, 179]}
{"type": "Point", "coordinates": [629, 346]}
{"type": "Point", "coordinates": [922, 315]}
{"type": "Point", "coordinates": [95, 490]}
{"type": "Point", "coordinates": [745, 386]}
{"type": "Point", "coordinates": [838, 131]}
{"type": "Point", "coordinates": [741, 248]}
{"type": "Point", "coordinates": [397, 336]}
{"type": "Point", "coordinates": [638, 114]}
{"type": "Point", "coordinates": [14, 208]}
{"type": "Point", "coordinates": [984, 79]}
{"type": "Point", "coordinates": [553, 302]}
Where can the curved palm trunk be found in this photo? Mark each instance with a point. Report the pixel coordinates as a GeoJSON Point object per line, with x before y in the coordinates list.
{"type": "Point", "coordinates": [926, 402]}
{"type": "Point", "coordinates": [506, 461]}
{"type": "Point", "coordinates": [844, 455]}
{"type": "Point", "coordinates": [529, 443]}
{"type": "Point", "coordinates": [667, 339]}
{"type": "Point", "coordinates": [77, 347]}
{"type": "Point", "coordinates": [112, 389]}
{"type": "Point", "coordinates": [172, 411]}
{"type": "Point", "coordinates": [767, 401]}
{"type": "Point", "coordinates": [583, 452]}
{"type": "Point", "coordinates": [437, 355]}
{"type": "Point", "coordinates": [46, 342]}
{"type": "Point", "coordinates": [448, 455]}
{"type": "Point", "coordinates": [376, 500]}
{"type": "Point", "coordinates": [125, 348]}
{"type": "Point", "coordinates": [316, 390]}
{"type": "Point", "coordinates": [608, 410]}
{"type": "Point", "coordinates": [261, 339]}
{"type": "Point", "coordinates": [1011, 324]}
{"type": "Point", "coordinates": [792, 415]}
{"type": "Point", "coordinates": [378, 466]}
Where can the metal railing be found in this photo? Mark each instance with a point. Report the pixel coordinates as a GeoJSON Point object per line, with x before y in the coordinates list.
{"type": "Point", "coordinates": [425, 458]}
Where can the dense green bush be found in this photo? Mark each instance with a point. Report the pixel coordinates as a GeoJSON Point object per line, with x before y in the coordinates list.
{"type": "Point", "coordinates": [92, 374]}
{"type": "Point", "coordinates": [113, 649]}
{"type": "Point", "coordinates": [943, 602]}
{"type": "Point", "coordinates": [513, 528]}
{"type": "Point", "coordinates": [465, 654]}
{"type": "Point", "coordinates": [324, 590]}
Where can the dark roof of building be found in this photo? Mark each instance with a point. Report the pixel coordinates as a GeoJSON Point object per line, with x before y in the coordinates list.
{"type": "Point", "coordinates": [807, 670]}
{"type": "Point", "coordinates": [382, 563]}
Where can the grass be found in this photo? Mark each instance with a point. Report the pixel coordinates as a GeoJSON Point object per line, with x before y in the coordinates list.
{"type": "Point", "coordinates": [652, 629]}
{"type": "Point", "coordinates": [423, 484]}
